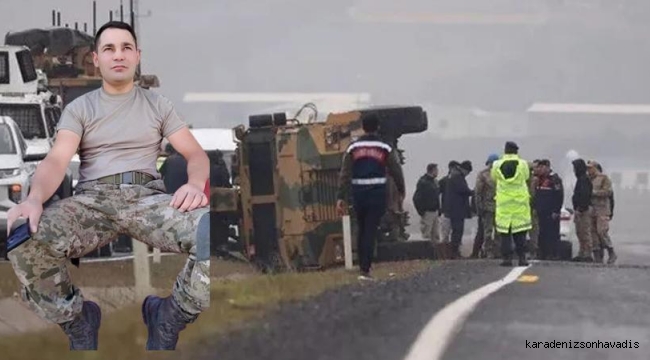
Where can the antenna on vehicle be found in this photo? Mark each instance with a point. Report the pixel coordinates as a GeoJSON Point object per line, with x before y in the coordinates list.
{"type": "Point", "coordinates": [94, 18]}
{"type": "Point", "coordinates": [132, 14]}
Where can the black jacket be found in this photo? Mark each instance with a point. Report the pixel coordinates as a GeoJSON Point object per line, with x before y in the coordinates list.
{"type": "Point", "coordinates": [549, 194]}
{"type": "Point", "coordinates": [442, 184]}
{"type": "Point", "coordinates": [583, 189]}
{"type": "Point", "coordinates": [427, 195]}
{"type": "Point", "coordinates": [174, 172]}
{"type": "Point", "coordinates": [456, 198]}
{"type": "Point", "coordinates": [219, 176]}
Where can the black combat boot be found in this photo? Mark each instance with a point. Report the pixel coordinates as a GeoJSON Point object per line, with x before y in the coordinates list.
{"type": "Point", "coordinates": [522, 260]}
{"type": "Point", "coordinates": [598, 256]}
{"type": "Point", "coordinates": [165, 320]}
{"type": "Point", "coordinates": [507, 260]}
{"type": "Point", "coordinates": [455, 252]}
{"type": "Point", "coordinates": [611, 256]}
{"type": "Point", "coordinates": [83, 330]}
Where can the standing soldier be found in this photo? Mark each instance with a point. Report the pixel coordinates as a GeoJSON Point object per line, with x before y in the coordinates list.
{"type": "Point", "coordinates": [456, 207]}
{"type": "Point", "coordinates": [582, 209]}
{"type": "Point", "coordinates": [611, 198]}
{"type": "Point", "coordinates": [512, 220]}
{"type": "Point", "coordinates": [484, 193]}
{"type": "Point", "coordinates": [549, 197]}
{"type": "Point", "coordinates": [426, 200]}
{"type": "Point", "coordinates": [600, 199]}
{"type": "Point", "coordinates": [363, 176]}
{"type": "Point", "coordinates": [445, 223]}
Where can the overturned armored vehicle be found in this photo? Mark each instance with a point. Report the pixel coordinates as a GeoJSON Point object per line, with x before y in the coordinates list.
{"type": "Point", "coordinates": [286, 172]}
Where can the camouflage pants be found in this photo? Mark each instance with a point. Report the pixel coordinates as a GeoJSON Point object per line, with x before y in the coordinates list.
{"type": "Point", "coordinates": [445, 229]}
{"type": "Point", "coordinates": [600, 232]}
{"type": "Point", "coordinates": [492, 243]}
{"type": "Point", "coordinates": [430, 227]}
{"type": "Point", "coordinates": [583, 222]}
{"type": "Point", "coordinates": [93, 217]}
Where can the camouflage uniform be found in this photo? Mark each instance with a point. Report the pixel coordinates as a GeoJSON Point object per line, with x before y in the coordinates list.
{"type": "Point", "coordinates": [582, 220]}
{"type": "Point", "coordinates": [93, 217]}
{"type": "Point", "coordinates": [485, 192]}
{"type": "Point", "coordinates": [602, 191]}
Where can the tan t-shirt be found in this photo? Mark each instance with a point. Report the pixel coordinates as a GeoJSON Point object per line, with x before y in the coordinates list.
{"type": "Point", "coordinates": [120, 133]}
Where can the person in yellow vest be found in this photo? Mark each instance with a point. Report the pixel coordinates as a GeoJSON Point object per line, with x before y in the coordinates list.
{"type": "Point", "coordinates": [513, 216]}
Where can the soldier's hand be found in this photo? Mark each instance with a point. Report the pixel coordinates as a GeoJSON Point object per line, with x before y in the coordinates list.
{"type": "Point", "coordinates": [189, 197]}
{"type": "Point", "coordinates": [29, 209]}
{"type": "Point", "coordinates": [340, 207]}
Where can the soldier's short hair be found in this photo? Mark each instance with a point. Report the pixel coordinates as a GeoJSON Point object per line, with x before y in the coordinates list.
{"type": "Point", "coordinates": [544, 162]}
{"type": "Point", "coordinates": [431, 167]}
{"type": "Point", "coordinates": [115, 25]}
{"type": "Point", "coordinates": [370, 122]}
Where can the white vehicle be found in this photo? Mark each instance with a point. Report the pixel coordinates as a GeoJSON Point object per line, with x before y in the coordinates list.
{"type": "Point", "coordinates": [35, 111]}
{"type": "Point", "coordinates": [566, 225]}
{"type": "Point", "coordinates": [567, 230]}
{"type": "Point", "coordinates": [17, 167]}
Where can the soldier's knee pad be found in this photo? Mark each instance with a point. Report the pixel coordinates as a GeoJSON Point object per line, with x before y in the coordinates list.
{"type": "Point", "coordinates": [203, 238]}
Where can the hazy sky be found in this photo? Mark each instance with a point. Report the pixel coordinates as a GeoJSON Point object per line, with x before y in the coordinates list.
{"type": "Point", "coordinates": [498, 55]}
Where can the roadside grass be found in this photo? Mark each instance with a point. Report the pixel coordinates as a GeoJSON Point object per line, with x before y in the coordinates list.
{"type": "Point", "coordinates": [120, 273]}
{"type": "Point", "coordinates": [233, 303]}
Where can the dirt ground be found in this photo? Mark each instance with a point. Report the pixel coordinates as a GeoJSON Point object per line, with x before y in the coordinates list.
{"type": "Point", "coordinates": [119, 274]}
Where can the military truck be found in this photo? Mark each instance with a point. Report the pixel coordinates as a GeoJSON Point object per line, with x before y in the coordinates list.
{"type": "Point", "coordinates": [286, 176]}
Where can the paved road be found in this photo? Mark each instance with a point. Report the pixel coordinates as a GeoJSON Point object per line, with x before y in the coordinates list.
{"type": "Point", "coordinates": [382, 321]}
{"type": "Point", "coordinates": [568, 302]}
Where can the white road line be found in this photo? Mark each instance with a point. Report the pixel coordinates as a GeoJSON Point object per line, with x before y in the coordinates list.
{"type": "Point", "coordinates": [436, 336]}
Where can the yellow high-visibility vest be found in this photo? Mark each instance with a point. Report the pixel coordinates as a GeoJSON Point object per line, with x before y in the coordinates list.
{"type": "Point", "coordinates": [512, 196]}
{"type": "Point", "coordinates": [160, 161]}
